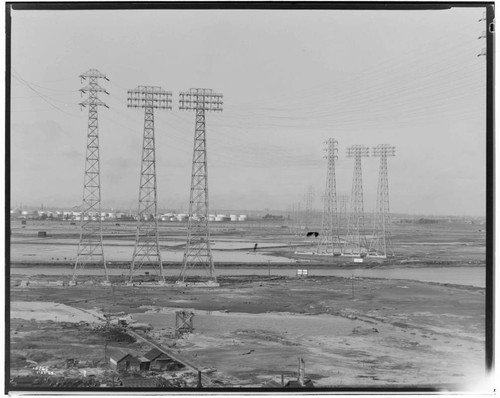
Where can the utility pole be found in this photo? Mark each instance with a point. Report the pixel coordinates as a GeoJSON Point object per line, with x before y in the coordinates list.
{"type": "Point", "coordinates": [329, 237]}
{"type": "Point", "coordinates": [381, 243]}
{"type": "Point", "coordinates": [198, 253]}
{"type": "Point", "coordinates": [147, 245]}
{"type": "Point", "coordinates": [355, 243]}
{"type": "Point", "coordinates": [90, 248]}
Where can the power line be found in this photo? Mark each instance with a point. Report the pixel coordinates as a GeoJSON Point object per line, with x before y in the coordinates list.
{"type": "Point", "coordinates": [22, 81]}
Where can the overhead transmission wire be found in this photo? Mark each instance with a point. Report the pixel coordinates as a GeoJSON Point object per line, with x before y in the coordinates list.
{"type": "Point", "coordinates": [370, 74]}
{"type": "Point", "coordinates": [40, 95]}
{"type": "Point", "coordinates": [447, 41]}
{"type": "Point", "coordinates": [374, 91]}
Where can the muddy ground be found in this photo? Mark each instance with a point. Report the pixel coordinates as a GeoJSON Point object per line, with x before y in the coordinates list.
{"type": "Point", "coordinates": [362, 332]}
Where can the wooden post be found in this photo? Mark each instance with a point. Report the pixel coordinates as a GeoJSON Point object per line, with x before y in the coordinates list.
{"type": "Point", "coordinates": [199, 380]}
{"type": "Point", "coordinates": [105, 351]}
{"type": "Point", "coordinates": [302, 371]}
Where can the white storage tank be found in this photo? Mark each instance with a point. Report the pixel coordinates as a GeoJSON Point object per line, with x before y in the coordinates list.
{"type": "Point", "coordinates": [233, 217]}
{"type": "Point", "coordinates": [242, 217]}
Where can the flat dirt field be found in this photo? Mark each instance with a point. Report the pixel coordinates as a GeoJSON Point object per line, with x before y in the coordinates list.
{"type": "Point", "coordinates": [356, 332]}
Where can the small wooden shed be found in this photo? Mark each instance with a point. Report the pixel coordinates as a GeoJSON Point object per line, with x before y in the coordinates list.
{"type": "Point", "coordinates": [123, 360]}
{"type": "Point", "coordinates": [158, 360]}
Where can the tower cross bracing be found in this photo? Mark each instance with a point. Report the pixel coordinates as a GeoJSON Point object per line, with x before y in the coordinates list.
{"type": "Point", "coordinates": [342, 201]}
{"type": "Point", "coordinates": [381, 242]}
{"type": "Point", "coordinates": [147, 246]}
{"type": "Point", "coordinates": [308, 200]}
{"type": "Point", "coordinates": [90, 247]}
{"type": "Point", "coordinates": [355, 243]}
{"type": "Point", "coordinates": [329, 236]}
{"type": "Point", "coordinates": [198, 253]}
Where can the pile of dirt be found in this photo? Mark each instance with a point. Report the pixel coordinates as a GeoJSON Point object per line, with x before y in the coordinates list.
{"type": "Point", "coordinates": [114, 333]}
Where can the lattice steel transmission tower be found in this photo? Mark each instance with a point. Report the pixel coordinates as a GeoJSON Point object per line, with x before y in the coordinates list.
{"type": "Point", "coordinates": [198, 252]}
{"type": "Point", "coordinates": [355, 243]}
{"type": "Point", "coordinates": [90, 248]}
{"type": "Point", "coordinates": [299, 218]}
{"type": "Point", "coordinates": [381, 243]}
{"type": "Point", "coordinates": [329, 236]}
{"type": "Point", "coordinates": [342, 200]}
{"type": "Point", "coordinates": [309, 199]}
{"type": "Point", "coordinates": [147, 245]}
{"type": "Point", "coordinates": [482, 36]}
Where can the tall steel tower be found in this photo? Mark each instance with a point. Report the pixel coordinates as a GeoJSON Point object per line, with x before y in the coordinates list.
{"type": "Point", "coordinates": [147, 248]}
{"type": "Point", "coordinates": [381, 243]}
{"type": "Point", "coordinates": [329, 237]}
{"type": "Point", "coordinates": [355, 243]}
{"type": "Point", "coordinates": [299, 217]}
{"type": "Point", "coordinates": [342, 200]}
{"type": "Point", "coordinates": [90, 248]}
{"type": "Point", "coordinates": [309, 199]}
{"type": "Point", "coordinates": [198, 253]}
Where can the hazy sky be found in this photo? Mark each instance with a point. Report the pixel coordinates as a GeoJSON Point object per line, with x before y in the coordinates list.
{"type": "Point", "coordinates": [290, 80]}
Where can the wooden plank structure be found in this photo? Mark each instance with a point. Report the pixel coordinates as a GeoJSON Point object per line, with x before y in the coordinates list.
{"type": "Point", "coordinates": [183, 322]}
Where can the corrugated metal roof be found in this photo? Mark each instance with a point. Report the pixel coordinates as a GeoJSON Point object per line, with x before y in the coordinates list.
{"type": "Point", "coordinates": [153, 354]}
{"type": "Point", "coordinates": [117, 353]}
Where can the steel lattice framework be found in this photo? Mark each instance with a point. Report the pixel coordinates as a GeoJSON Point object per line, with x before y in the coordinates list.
{"type": "Point", "coordinates": [90, 248]}
{"type": "Point", "coordinates": [198, 252]}
{"type": "Point", "coordinates": [355, 243]}
{"type": "Point", "coordinates": [329, 238]}
{"type": "Point", "coordinates": [308, 199]}
{"type": "Point", "coordinates": [147, 246]}
{"type": "Point", "coordinates": [342, 200]}
{"type": "Point", "coordinates": [298, 218]}
{"type": "Point", "coordinates": [381, 243]}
